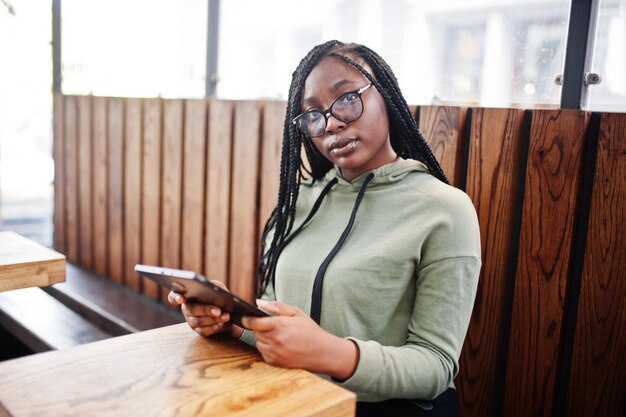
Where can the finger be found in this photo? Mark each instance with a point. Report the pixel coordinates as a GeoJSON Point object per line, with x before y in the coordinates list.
{"type": "Point", "coordinates": [199, 309]}
{"type": "Point", "coordinates": [276, 308]}
{"type": "Point", "coordinates": [208, 330]}
{"type": "Point", "coordinates": [175, 298]}
{"type": "Point", "coordinates": [258, 324]}
{"type": "Point", "coordinates": [203, 321]}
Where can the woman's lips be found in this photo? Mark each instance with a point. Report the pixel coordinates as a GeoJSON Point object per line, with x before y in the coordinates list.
{"type": "Point", "coordinates": [343, 147]}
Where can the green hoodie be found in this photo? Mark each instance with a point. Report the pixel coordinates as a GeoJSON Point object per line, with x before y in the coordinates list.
{"type": "Point", "coordinates": [403, 284]}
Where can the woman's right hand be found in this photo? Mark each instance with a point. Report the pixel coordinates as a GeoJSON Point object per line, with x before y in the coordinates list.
{"type": "Point", "coordinates": [205, 319]}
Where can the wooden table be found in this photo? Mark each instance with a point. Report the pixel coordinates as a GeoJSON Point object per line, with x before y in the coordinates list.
{"type": "Point", "coordinates": [24, 263]}
{"type": "Point", "coordinates": [169, 371]}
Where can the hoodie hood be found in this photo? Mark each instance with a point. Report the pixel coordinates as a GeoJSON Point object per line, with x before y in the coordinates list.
{"type": "Point", "coordinates": [389, 173]}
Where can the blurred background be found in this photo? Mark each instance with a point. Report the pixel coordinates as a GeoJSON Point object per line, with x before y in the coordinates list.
{"type": "Point", "coordinates": [488, 53]}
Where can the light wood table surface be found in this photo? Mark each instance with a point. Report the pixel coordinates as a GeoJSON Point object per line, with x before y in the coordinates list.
{"type": "Point", "coordinates": [24, 263]}
{"type": "Point", "coordinates": [169, 371]}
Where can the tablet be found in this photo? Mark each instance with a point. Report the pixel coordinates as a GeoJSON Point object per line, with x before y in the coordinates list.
{"type": "Point", "coordinates": [196, 288]}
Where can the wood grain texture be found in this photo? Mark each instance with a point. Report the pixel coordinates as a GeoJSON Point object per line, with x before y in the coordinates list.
{"type": "Point", "coordinates": [174, 372]}
{"type": "Point", "coordinates": [116, 189]}
{"type": "Point", "coordinates": [151, 191]}
{"type": "Point", "coordinates": [598, 375]}
{"type": "Point", "coordinates": [85, 189]}
{"type": "Point", "coordinates": [494, 186]}
{"type": "Point", "coordinates": [219, 156]}
{"type": "Point", "coordinates": [194, 177]}
{"type": "Point", "coordinates": [58, 150]}
{"type": "Point", "coordinates": [100, 187]}
{"type": "Point", "coordinates": [442, 128]}
{"type": "Point", "coordinates": [271, 143]}
{"type": "Point", "coordinates": [244, 210]}
{"type": "Point", "coordinates": [551, 195]}
{"type": "Point", "coordinates": [71, 179]}
{"type": "Point", "coordinates": [132, 192]}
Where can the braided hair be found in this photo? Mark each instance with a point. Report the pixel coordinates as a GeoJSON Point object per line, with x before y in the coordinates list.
{"type": "Point", "coordinates": [406, 140]}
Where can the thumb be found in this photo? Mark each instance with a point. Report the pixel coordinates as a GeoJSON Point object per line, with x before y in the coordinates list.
{"type": "Point", "coordinates": [279, 309]}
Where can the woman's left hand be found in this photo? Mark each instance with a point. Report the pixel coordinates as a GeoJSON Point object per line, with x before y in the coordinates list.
{"type": "Point", "coordinates": [291, 339]}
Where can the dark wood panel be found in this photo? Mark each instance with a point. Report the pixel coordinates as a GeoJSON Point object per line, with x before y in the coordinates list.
{"type": "Point", "coordinates": [552, 186]}
{"type": "Point", "coordinates": [495, 155]}
{"type": "Point", "coordinates": [71, 179]}
{"type": "Point", "coordinates": [59, 178]}
{"type": "Point", "coordinates": [85, 190]}
{"type": "Point", "coordinates": [194, 177]}
{"type": "Point", "coordinates": [116, 189]}
{"type": "Point", "coordinates": [100, 188]}
{"type": "Point", "coordinates": [132, 192]}
{"type": "Point", "coordinates": [598, 375]}
{"type": "Point", "coordinates": [271, 143]}
{"type": "Point", "coordinates": [151, 191]}
{"type": "Point", "coordinates": [442, 128]}
{"type": "Point", "coordinates": [244, 210]}
{"type": "Point", "coordinates": [219, 142]}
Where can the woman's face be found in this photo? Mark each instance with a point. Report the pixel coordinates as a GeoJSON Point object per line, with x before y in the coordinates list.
{"type": "Point", "coordinates": [358, 146]}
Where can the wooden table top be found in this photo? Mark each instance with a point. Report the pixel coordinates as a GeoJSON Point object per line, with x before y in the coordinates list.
{"type": "Point", "coordinates": [169, 371]}
{"type": "Point", "coordinates": [24, 263]}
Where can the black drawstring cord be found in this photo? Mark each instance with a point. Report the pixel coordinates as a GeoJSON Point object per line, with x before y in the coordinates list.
{"type": "Point", "coordinates": [316, 298]}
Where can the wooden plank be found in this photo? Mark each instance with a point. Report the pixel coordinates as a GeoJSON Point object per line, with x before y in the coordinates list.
{"type": "Point", "coordinates": [100, 188]}
{"type": "Point", "coordinates": [85, 190]}
{"type": "Point", "coordinates": [551, 194]}
{"type": "Point", "coordinates": [494, 171]}
{"type": "Point", "coordinates": [244, 210]}
{"type": "Point", "coordinates": [151, 192]}
{"type": "Point", "coordinates": [172, 185]}
{"type": "Point", "coordinates": [71, 179]}
{"type": "Point", "coordinates": [271, 144]}
{"type": "Point", "coordinates": [598, 374]}
{"type": "Point", "coordinates": [169, 371]}
{"type": "Point", "coordinates": [132, 192]}
{"type": "Point", "coordinates": [59, 178]}
{"type": "Point", "coordinates": [116, 189]}
{"type": "Point", "coordinates": [219, 156]}
{"type": "Point", "coordinates": [194, 188]}
{"type": "Point", "coordinates": [442, 128]}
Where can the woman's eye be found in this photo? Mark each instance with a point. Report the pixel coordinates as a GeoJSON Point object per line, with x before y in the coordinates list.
{"type": "Point", "coordinates": [350, 97]}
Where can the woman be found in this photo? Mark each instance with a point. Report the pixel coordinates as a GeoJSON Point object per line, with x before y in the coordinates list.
{"type": "Point", "coordinates": [372, 257]}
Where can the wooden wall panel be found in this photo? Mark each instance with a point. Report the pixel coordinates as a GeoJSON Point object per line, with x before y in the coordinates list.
{"type": "Point", "coordinates": [219, 156]}
{"type": "Point", "coordinates": [132, 192]}
{"type": "Point", "coordinates": [71, 179]}
{"type": "Point", "coordinates": [548, 217]}
{"type": "Point", "coordinates": [496, 153]}
{"type": "Point", "coordinates": [116, 189]}
{"type": "Point", "coordinates": [244, 210]}
{"type": "Point", "coordinates": [194, 177]}
{"type": "Point", "coordinates": [151, 192]}
{"type": "Point", "coordinates": [172, 176]}
{"type": "Point", "coordinates": [100, 188]}
{"type": "Point", "coordinates": [442, 128]}
{"type": "Point", "coordinates": [58, 150]}
{"type": "Point", "coordinates": [85, 189]}
{"type": "Point", "coordinates": [271, 143]}
{"type": "Point", "coordinates": [598, 375]}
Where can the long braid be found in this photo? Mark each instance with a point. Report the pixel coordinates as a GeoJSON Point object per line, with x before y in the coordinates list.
{"type": "Point", "coordinates": [406, 140]}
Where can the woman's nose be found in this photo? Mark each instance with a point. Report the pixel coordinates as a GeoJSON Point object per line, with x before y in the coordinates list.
{"type": "Point", "coordinates": [333, 124]}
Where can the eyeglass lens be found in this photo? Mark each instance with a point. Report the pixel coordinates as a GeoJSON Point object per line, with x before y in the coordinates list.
{"type": "Point", "coordinates": [347, 108]}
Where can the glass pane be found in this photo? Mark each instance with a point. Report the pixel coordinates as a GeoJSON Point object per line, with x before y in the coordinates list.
{"type": "Point", "coordinates": [478, 52]}
{"type": "Point", "coordinates": [609, 59]}
{"type": "Point", "coordinates": [140, 48]}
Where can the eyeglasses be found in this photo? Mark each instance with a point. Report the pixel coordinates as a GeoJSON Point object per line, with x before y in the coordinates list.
{"type": "Point", "coordinates": [346, 108]}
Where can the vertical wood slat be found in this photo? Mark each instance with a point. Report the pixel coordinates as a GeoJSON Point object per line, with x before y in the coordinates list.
{"type": "Point", "coordinates": [172, 176]}
{"type": "Point", "coordinates": [194, 176]}
{"type": "Point", "coordinates": [244, 210]}
{"type": "Point", "coordinates": [100, 196]}
{"type": "Point", "coordinates": [116, 189]}
{"type": "Point", "coordinates": [85, 190]}
{"type": "Point", "coordinates": [494, 171]}
{"type": "Point", "coordinates": [219, 156]}
{"type": "Point", "coordinates": [273, 120]}
{"type": "Point", "coordinates": [151, 191]}
{"type": "Point", "coordinates": [442, 128]}
{"type": "Point", "coordinates": [132, 192]}
{"type": "Point", "coordinates": [71, 179]}
{"type": "Point", "coordinates": [550, 201]}
{"type": "Point", "coordinates": [59, 177]}
{"type": "Point", "coordinates": [598, 374]}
